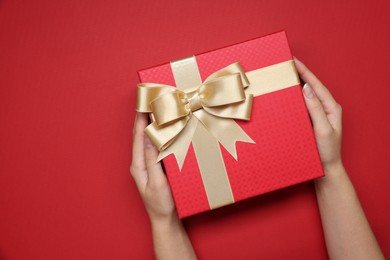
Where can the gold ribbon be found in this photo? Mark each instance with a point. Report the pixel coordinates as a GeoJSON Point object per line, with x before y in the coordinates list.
{"type": "Point", "coordinates": [222, 97]}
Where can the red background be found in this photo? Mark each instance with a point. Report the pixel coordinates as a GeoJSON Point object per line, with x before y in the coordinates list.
{"type": "Point", "coordinates": [67, 92]}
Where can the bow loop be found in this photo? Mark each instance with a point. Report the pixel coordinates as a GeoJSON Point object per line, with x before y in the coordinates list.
{"type": "Point", "coordinates": [231, 69]}
{"type": "Point", "coordinates": [147, 92]}
{"type": "Point", "coordinates": [222, 91]}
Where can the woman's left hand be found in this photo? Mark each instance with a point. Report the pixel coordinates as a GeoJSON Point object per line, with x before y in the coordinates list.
{"type": "Point", "coordinates": [170, 239]}
{"type": "Point", "coordinates": [149, 176]}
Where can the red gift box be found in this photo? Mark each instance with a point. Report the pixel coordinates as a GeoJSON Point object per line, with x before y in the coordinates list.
{"type": "Point", "coordinates": [284, 152]}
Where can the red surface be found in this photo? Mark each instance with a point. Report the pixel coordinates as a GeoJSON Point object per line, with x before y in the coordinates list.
{"type": "Point", "coordinates": [285, 152]}
{"type": "Point", "coordinates": [67, 77]}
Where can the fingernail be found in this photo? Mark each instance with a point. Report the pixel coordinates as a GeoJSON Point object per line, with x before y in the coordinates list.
{"type": "Point", "coordinates": [308, 91]}
{"type": "Point", "coordinates": [148, 143]}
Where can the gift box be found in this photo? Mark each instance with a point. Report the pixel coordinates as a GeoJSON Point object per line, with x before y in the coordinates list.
{"type": "Point", "coordinates": [230, 123]}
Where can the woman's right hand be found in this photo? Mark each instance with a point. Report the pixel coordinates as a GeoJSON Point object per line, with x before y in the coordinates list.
{"type": "Point", "coordinates": [325, 114]}
{"type": "Point", "coordinates": [347, 232]}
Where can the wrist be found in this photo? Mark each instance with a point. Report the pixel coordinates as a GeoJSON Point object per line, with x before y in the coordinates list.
{"type": "Point", "coordinates": [334, 174]}
{"type": "Point", "coordinates": [333, 168]}
{"type": "Point", "coordinates": [166, 223]}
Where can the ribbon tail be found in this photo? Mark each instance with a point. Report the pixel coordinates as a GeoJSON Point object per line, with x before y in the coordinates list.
{"type": "Point", "coordinates": [181, 144]}
{"type": "Point", "coordinates": [226, 131]}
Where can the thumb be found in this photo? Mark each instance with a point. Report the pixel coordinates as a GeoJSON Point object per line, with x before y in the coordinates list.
{"type": "Point", "coordinates": [156, 175]}
{"type": "Point", "coordinates": [316, 111]}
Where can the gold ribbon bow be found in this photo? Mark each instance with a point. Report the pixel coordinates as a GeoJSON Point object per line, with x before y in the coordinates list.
{"type": "Point", "coordinates": [215, 103]}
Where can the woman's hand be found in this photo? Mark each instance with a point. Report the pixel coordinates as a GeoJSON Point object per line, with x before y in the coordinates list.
{"type": "Point", "coordinates": [347, 232]}
{"type": "Point", "coordinates": [325, 114]}
{"type": "Point", "coordinates": [149, 176]}
{"type": "Point", "coordinates": [170, 239]}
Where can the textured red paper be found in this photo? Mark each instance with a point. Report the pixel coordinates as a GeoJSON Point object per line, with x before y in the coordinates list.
{"type": "Point", "coordinates": [285, 152]}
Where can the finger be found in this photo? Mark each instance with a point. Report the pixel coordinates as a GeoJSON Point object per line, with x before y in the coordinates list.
{"type": "Point", "coordinates": [317, 114]}
{"type": "Point", "coordinates": [138, 167]}
{"type": "Point", "coordinates": [320, 90]}
{"type": "Point", "coordinates": [330, 106]}
{"type": "Point", "coordinates": [156, 174]}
